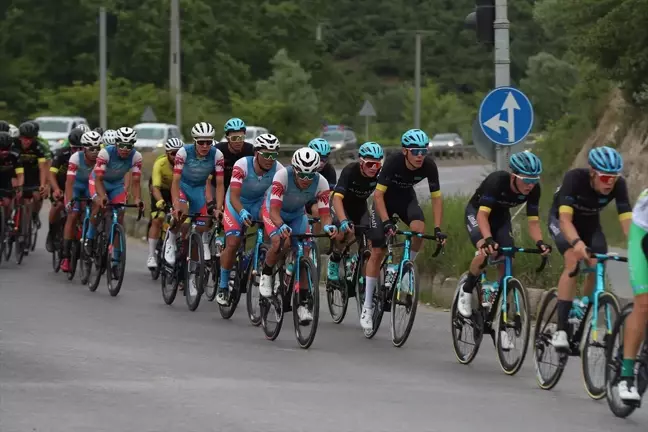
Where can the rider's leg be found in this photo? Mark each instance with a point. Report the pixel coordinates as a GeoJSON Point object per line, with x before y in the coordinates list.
{"type": "Point", "coordinates": [53, 218]}
{"type": "Point", "coordinates": [377, 237]}
{"type": "Point", "coordinates": [232, 226]}
{"type": "Point", "coordinates": [155, 228]}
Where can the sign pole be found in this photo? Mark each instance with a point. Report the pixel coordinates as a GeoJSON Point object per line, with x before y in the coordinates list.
{"type": "Point", "coordinates": [502, 66]}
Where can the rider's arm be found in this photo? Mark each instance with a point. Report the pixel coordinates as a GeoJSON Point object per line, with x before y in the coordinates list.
{"type": "Point", "coordinates": [384, 180]}
{"type": "Point", "coordinates": [278, 188]}
{"type": "Point", "coordinates": [219, 168]}
{"type": "Point", "coordinates": [239, 171]}
{"type": "Point", "coordinates": [566, 199]}
{"type": "Point", "coordinates": [43, 166]}
{"type": "Point", "coordinates": [73, 166]}
{"type": "Point", "coordinates": [156, 179]}
{"type": "Point", "coordinates": [490, 188]}
{"type": "Point", "coordinates": [322, 195]}
{"type": "Point", "coordinates": [624, 209]}
{"type": "Point", "coordinates": [178, 166]}
{"type": "Point", "coordinates": [533, 210]}
{"type": "Point", "coordinates": [340, 190]}
{"type": "Point", "coordinates": [20, 172]}
{"type": "Point", "coordinates": [435, 190]}
{"type": "Point", "coordinates": [53, 171]}
{"type": "Point", "coordinates": [136, 175]}
{"type": "Point", "coordinates": [100, 169]}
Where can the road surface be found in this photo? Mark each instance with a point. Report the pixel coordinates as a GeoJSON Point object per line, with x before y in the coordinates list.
{"type": "Point", "coordinates": [71, 360]}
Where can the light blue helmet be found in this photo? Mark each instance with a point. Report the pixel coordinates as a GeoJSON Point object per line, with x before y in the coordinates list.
{"type": "Point", "coordinates": [371, 150]}
{"type": "Point", "coordinates": [525, 163]}
{"type": "Point", "coordinates": [605, 159]}
{"type": "Point", "coordinates": [234, 125]}
{"type": "Point", "coordinates": [415, 138]}
{"type": "Point", "coordinates": [321, 146]}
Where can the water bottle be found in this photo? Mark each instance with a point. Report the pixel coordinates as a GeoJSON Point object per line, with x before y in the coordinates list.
{"type": "Point", "coordinates": [351, 262]}
{"type": "Point", "coordinates": [219, 245]}
{"type": "Point", "coordinates": [289, 269]}
{"type": "Point", "coordinates": [577, 312]}
{"type": "Point", "coordinates": [489, 291]}
{"type": "Point", "coordinates": [390, 275]}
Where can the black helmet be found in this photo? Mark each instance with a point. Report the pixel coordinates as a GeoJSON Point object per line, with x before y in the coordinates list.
{"type": "Point", "coordinates": [28, 130]}
{"type": "Point", "coordinates": [5, 141]}
{"type": "Point", "coordinates": [99, 129]}
{"type": "Point", "coordinates": [36, 125]}
{"type": "Point", "coordinates": [4, 126]}
{"type": "Point", "coordinates": [75, 137]}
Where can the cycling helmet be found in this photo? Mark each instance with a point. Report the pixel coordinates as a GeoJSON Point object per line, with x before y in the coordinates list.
{"type": "Point", "coordinates": [525, 163]}
{"type": "Point", "coordinates": [203, 130]}
{"type": "Point", "coordinates": [109, 136]}
{"type": "Point", "coordinates": [91, 139]}
{"type": "Point", "coordinates": [371, 150]}
{"type": "Point", "coordinates": [28, 130]}
{"type": "Point", "coordinates": [234, 124]}
{"type": "Point", "coordinates": [5, 141]}
{"type": "Point", "coordinates": [37, 126]}
{"type": "Point", "coordinates": [605, 159]}
{"type": "Point", "coordinates": [99, 129]}
{"type": "Point", "coordinates": [266, 142]}
{"type": "Point", "coordinates": [83, 127]}
{"type": "Point", "coordinates": [13, 131]}
{"type": "Point", "coordinates": [126, 135]}
{"type": "Point", "coordinates": [306, 160]}
{"type": "Point", "coordinates": [321, 146]}
{"type": "Point", "coordinates": [173, 144]}
{"type": "Point", "coordinates": [74, 138]}
{"type": "Point", "coordinates": [415, 138]}
{"type": "Point", "coordinates": [4, 126]}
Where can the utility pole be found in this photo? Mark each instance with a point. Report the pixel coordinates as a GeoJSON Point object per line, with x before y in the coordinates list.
{"type": "Point", "coordinates": [175, 77]}
{"type": "Point", "coordinates": [418, 41]}
{"type": "Point", "coordinates": [502, 66]}
{"type": "Point", "coordinates": [103, 92]}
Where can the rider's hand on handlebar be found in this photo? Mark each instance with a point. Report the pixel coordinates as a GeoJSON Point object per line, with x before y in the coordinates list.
{"type": "Point", "coordinates": [284, 231]}
{"type": "Point", "coordinates": [331, 230]}
{"type": "Point", "coordinates": [346, 226]}
{"type": "Point", "coordinates": [58, 194]}
{"type": "Point", "coordinates": [246, 217]}
{"type": "Point", "coordinates": [440, 237]}
{"type": "Point", "coordinates": [581, 250]}
{"type": "Point", "coordinates": [544, 247]}
{"type": "Point", "coordinates": [389, 228]}
{"type": "Point", "coordinates": [490, 246]}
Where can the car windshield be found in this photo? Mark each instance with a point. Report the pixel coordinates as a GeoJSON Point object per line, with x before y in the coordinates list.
{"type": "Point", "coordinates": [150, 133]}
{"type": "Point", "coordinates": [58, 126]}
{"type": "Point", "coordinates": [333, 135]}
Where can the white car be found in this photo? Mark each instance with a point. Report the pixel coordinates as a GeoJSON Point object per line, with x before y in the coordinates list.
{"type": "Point", "coordinates": [55, 129]}
{"type": "Point", "coordinates": [251, 132]}
{"type": "Point", "coordinates": [153, 136]}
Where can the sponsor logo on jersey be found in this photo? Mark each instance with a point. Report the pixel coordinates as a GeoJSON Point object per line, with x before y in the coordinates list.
{"type": "Point", "coordinates": [277, 189]}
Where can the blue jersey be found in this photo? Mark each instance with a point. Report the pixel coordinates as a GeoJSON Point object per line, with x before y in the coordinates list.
{"type": "Point", "coordinates": [194, 169]}
{"type": "Point", "coordinates": [79, 169]}
{"type": "Point", "coordinates": [284, 193]}
{"type": "Point", "coordinates": [114, 168]}
{"type": "Point", "coordinates": [252, 186]}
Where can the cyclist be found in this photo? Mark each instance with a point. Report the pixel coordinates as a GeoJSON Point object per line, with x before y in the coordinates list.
{"type": "Point", "coordinates": [10, 166]}
{"type": "Point", "coordinates": [251, 177]}
{"type": "Point", "coordinates": [637, 321]}
{"type": "Point", "coordinates": [160, 191]}
{"type": "Point", "coordinates": [323, 148]}
{"type": "Point", "coordinates": [79, 168]}
{"type": "Point", "coordinates": [34, 160]}
{"type": "Point", "coordinates": [58, 178]}
{"type": "Point", "coordinates": [488, 218]}
{"type": "Point", "coordinates": [574, 223]}
{"type": "Point", "coordinates": [193, 165]}
{"type": "Point", "coordinates": [349, 205]}
{"type": "Point", "coordinates": [233, 149]}
{"type": "Point", "coordinates": [395, 194]}
{"type": "Point", "coordinates": [106, 182]}
{"type": "Point", "coordinates": [284, 212]}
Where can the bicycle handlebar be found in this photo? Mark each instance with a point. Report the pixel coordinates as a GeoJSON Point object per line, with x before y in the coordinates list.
{"type": "Point", "coordinates": [512, 250]}
{"type": "Point", "coordinates": [599, 258]}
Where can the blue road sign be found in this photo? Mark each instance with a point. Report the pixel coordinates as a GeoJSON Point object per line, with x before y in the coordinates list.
{"type": "Point", "coordinates": [506, 116]}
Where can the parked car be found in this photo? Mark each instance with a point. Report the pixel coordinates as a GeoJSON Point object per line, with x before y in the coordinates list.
{"type": "Point", "coordinates": [340, 137]}
{"type": "Point", "coordinates": [446, 140]}
{"type": "Point", "coordinates": [251, 132]}
{"type": "Point", "coordinates": [153, 136]}
{"type": "Point", "coordinates": [55, 129]}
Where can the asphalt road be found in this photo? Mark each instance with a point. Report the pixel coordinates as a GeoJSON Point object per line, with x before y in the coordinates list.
{"type": "Point", "coordinates": [72, 360]}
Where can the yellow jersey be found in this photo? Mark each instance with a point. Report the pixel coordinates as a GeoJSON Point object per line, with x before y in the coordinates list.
{"type": "Point", "coordinates": [162, 176]}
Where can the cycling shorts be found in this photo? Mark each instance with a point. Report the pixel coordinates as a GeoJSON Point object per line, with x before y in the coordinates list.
{"type": "Point", "coordinates": [298, 224]}
{"type": "Point", "coordinates": [588, 229]}
{"type": "Point", "coordinates": [231, 220]}
{"type": "Point", "coordinates": [638, 259]}
{"type": "Point", "coordinates": [195, 197]}
{"type": "Point", "coordinates": [166, 196]}
{"type": "Point", "coordinates": [406, 208]}
{"type": "Point", "coordinates": [116, 192]}
{"type": "Point", "coordinates": [500, 227]}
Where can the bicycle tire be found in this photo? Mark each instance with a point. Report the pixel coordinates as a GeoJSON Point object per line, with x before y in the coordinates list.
{"type": "Point", "coordinates": [253, 286]}
{"type": "Point", "coordinates": [546, 383]}
{"type": "Point", "coordinates": [74, 259]}
{"type": "Point", "coordinates": [457, 321]}
{"type": "Point", "coordinates": [211, 290]}
{"type": "Point", "coordinates": [605, 298]}
{"type": "Point", "coordinates": [360, 281]}
{"type": "Point", "coordinates": [234, 296]}
{"type": "Point", "coordinates": [276, 303]}
{"type": "Point", "coordinates": [411, 302]}
{"type": "Point", "coordinates": [115, 286]}
{"type": "Point", "coordinates": [613, 361]}
{"type": "Point", "coordinates": [193, 301]}
{"type": "Point", "coordinates": [86, 263]}
{"type": "Point", "coordinates": [99, 258]}
{"type": "Point", "coordinates": [33, 232]}
{"type": "Point", "coordinates": [305, 341]}
{"type": "Point", "coordinates": [339, 286]}
{"type": "Point", "coordinates": [155, 273]}
{"type": "Point", "coordinates": [170, 277]}
{"type": "Point", "coordinates": [521, 328]}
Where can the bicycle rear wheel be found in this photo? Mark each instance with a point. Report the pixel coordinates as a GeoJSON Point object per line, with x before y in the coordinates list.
{"type": "Point", "coordinates": [194, 270]}
{"type": "Point", "coordinates": [309, 298]}
{"type": "Point", "coordinates": [33, 234]}
{"type": "Point", "coordinates": [545, 327]}
{"type": "Point", "coordinates": [99, 254]}
{"type": "Point", "coordinates": [234, 295]}
{"type": "Point", "coordinates": [405, 297]}
{"type": "Point", "coordinates": [337, 297]}
{"type": "Point", "coordinates": [74, 259]}
{"type": "Point", "coordinates": [116, 261]}
{"type": "Point", "coordinates": [24, 236]}
{"type": "Point", "coordinates": [515, 325]}
{"type": "Point", "coordinates": [273, 308]}
{"type": "Point", "coordinates": [597, 340]}
{"type": "Point", "coordinates": [252, 296]}
{"type": "Point", "coordinates": [473, 326]}
{"type": "Point", "coordinates": [170, 275]}
{"type": "Point", "coordinates": [211, 286]}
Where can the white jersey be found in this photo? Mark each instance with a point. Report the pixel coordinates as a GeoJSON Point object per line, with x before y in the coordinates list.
{"type": "Point", "coordinates": [640, 211]}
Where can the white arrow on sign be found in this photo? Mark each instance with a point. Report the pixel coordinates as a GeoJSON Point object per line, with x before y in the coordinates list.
{"type": "Point", "coordinates": [494, 123]}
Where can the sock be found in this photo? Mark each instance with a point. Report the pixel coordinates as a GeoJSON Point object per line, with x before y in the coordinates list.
{"type": "Point", "coordinates": [91, 232]}
{"type": "Point", "coordinates": [152, 243]}
{"type": "Point", "coordinates": [369, 290]}
{"type": "Point", "coordinates": [563, 308]}
{"type": "Point", "coordinates": [224, 278]}
{"type": "Point", "coordinates": [627, 368]}
{"type": "Point", "coordinates": [469, 286]}
{"type": "Point", "coordinates": [413, 255]}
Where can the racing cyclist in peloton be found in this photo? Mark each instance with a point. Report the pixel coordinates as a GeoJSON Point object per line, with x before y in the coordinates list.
{"type": "Point", "coordinates": [233, 149]}
{"type": "Point", "coordinates": [488, 219]}
{"type": "Point", "coordinates": [190, 191]}
{"type": "Point", "coordinates": [574, 224]}
{"type": "Point", "coordinates": [349, 205]}
{"type": "Point", "coordinates": [79, 168]}
{"type": "Point", "coordinates": [395, 194]}
{"type": "Point", "coordinates": [284, 212]}
{"type": "Point", "coordinates": [10, 167]}
{"type": "Point", "coordinates": [160, 190]}
{"type": "Point", "coordinates": [326, 169]}
{"type": "Point", "coordinates": [251, 177]}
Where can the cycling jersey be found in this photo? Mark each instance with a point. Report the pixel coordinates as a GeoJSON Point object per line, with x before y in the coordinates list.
{"type": "Point", "coordinates": [230, 158]}
{"type": "Point", "coordinates": [45, 147]}
{"type": "Point", "coordinates": [30, 158]}
{"type": "Point", "coordinates": [354, 188]}
{"type": "Point", "coordinates": [114, 169]}
{"type": "Point", "coordinates": [253, 188]}
{"type": "Point", "coordinates": [60, 165]}
{"type": "Point", "coordinates": [495, 196]}
{"type": "Point", "coordinates": [638, 246]}
{"type": "Point", "coordinates": [395, 177]}
{"type": "Point", "coordinates": [194, 170]}
{"type": "Point", "coordinates": [79, 168]}
{"type": "Point", "coordinates": [9, 166]}
{"type": "Point", "coordinates": [162, 176]}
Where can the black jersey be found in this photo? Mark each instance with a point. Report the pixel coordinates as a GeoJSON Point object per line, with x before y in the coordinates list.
{"type": "Point", "coordinates": [230, 159]}
{"type": "Point", "coordinates": [10, 165]}
{"type": "Point", "coordinates": [495, 196]}
{"type": "Point", "coordinates": [60, 164]}
{"type": "Point", "coordinates": [396, 178]}
{"type": "Point", "coordinates": [353, 186]}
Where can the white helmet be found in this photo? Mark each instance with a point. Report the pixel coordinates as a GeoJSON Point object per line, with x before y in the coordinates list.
{"type": "Point", "coordinates": [13, 131]}
{"type": "Point", "coordinates": [266, 142]}
{"type": "Point", "coordinates": [203, 130]}
{"type": "Point", "coordinates": [306, 160]}
{"type": "Point", "coordinates": [173, 144]}
{"type": "Point", "coordinates": [109, 136]}
{"type": "Point", "coordinates": [91, 139]}
{"type": "Point", "coordinates": [84, 127]}
{"type": "Point", "coordinates": [126, 135]}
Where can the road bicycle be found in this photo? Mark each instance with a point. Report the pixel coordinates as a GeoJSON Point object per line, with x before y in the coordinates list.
{"type": "Point", "coordinates": [500, 309]}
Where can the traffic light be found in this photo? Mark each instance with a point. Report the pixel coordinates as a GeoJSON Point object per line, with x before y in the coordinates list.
{"type": "Point", "coordinates": [482, 20]}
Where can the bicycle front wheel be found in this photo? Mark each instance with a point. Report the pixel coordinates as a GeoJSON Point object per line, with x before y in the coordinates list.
{"type": "Point", "coordinates": [194, 271]}
{"type": "Point", "coordinates": [308, 298]}
{"type": "Point", "coordinates": [596, 342]}
{"type": "Point", "coordinates": [116, 261]}
{"type": "Point", "coordinates": [404, 301]}
{"type": "Point", "coordinates": [252, 296]}
{"type": "Point", "coordinates": [546, 356]}
{"type": "Point", "coordinates": [513, 327]}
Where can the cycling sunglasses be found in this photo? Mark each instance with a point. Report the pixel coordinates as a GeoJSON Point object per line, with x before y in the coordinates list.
{"type": "Point", "coordinates": [93, 149]}
{"type": "Point", "coordinates": [371, 164]}
{"type": "Point", "coordinates": [125, 146]}
{"type": "Point", "coordinates": [204, 143]}
{"type": "Point", "coordinates": [528, 180]}
{"type": "Point", "coordinates": [236, 138]}
{"type": "Point", "coordinates": [607, 178]}
{"type": "Point", "coordinates": [418, 152]}
{"type": "Point", "coordinates": [305, 176]}
{"type": "Point", "coordinates": [269, 155]}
